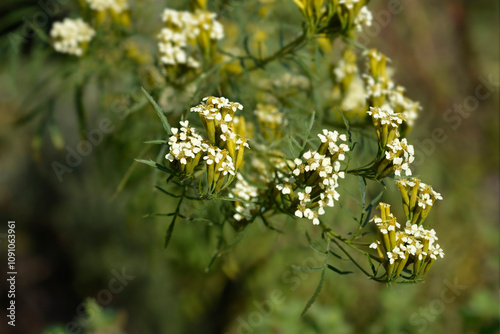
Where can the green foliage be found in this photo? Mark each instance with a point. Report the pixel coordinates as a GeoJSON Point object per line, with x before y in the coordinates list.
{"type": "Point", "coordinates": [297, 69]}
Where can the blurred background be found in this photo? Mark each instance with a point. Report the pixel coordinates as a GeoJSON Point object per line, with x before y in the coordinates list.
{"type": "Point", "coordinates": [76, 237]}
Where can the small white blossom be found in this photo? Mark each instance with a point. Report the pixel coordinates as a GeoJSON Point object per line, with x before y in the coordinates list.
{"type": "Point", "coordinates": [117, 6]}
{"type": "Point", "coordinates": [70, 35]}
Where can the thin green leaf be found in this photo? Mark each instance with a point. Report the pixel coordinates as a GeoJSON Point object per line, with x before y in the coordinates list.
{"type": "Point", "coordinates": [316, 293]}
{"type": "Point", "coordinates": [348, 128]}
{"type": "Point", "coordinates": [166, 192]}
{"type": "Point", "coordinates": [156, 165]}
{"type": "Point", "coordinates": [234, 199]}
{"type": "Point", "coordinates": [301, 269]}
{"type": "Point", "coordinates": [353, 197]}
{"type": "Point", "coordinates": [54, 131]}
{"type": "Point", "coordinates": [340, 272]}
{"type": "Point", "coordinates": [336, 255]}
{"type": "Point", "coordinates": [267, 224]}
{"type": "Point", "coordinates": [306, 68]}
{"type": "Point", "coordinates": [308, 237]}
{"type": "Point", "coordinates": [290, 145]}
{"type": "Point", "coordinates": [320, 284]}
{"type": "Point", "coordinates": [349, 212]}
{"type": "Point", "coordinates": [159, 111]}
{"type": "Point", "coordinates": [236, 240]}
{"type": "Point", "coordinates": [136, 107]}
{"type": "Point", "coordinates": [316, 249]}
{"type": "Point", "coordinates": [371, 265]}
{"type": "Point", "coordinates": [55, 135]}
{"type": "Point", "coordinates": [362, 190]}
{"type": "Point", "coordinates": [159, 142]}
{"type": "Point", "coordinates": [127, 175]}
{"type": "Point", "coordinates": [29, 116]}
{"type": "Point", "coordinates": [80, 108]}
{"type": "Point", "coordinates": [157, 214]}
{"type": "Point", "coordinates": [147, 162]}
{"type": "Point", "coordinates": [43, 36]}
{"type": "Point", "coordinates": [170, 231]}
{"type": "Point", "coordinates": [377, 198]}
{"type": "Point", "coordinates": [295, 142]}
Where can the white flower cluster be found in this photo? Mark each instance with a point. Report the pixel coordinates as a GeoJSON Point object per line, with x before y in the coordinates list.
{"type": "Point", "coordinates": [401, 155]}
{"type": "Point", "coordinates": [398, 154]}
{"type": "Point", "coordinates": [117, 6]}
{"type": "Point", "coordinates": [217, 114]}
{"type": "Point", "coordinates": [289, 81]}
{"type": "Point", "coordinates": [70, 36]}
{"type": "Point", "coordinates": [243, 190]}
{"type": "Point", "coordinates": [269, 114]}
{"type": "Point", "coordinates": [344, 68]}
{"type": "Point", "coordinates": [222, 161]}
{"type": "Point", "coordinates": [182, 29]}
{"type": "Point", "coordinates": [385, 226]}
{"type": "Point", "coordinates": [364, 18]}
{"type": "Point", "coordinates": [377, 88]}
{"type": "Point", "coordinates": [377, 82]}
{"type": "Point", "coordinates": [185, 144]}
{"type": "Point", "coordinates": [403, 105]}
{"type": "Point", "coordinates": [218, 106]}
{"type": "Point", "coordinates": [224, 150]}
{"type": "Point", "coordinates": [400, 248]}
{"type": "Point", "coordinates": [381, 91]}
{"type": "Point", "coordinates": [414, 241]}
{"type": "Point", "coordinates": [386, 116]}
{"type": "Point", "coordinates": [187, 147]}
{"type": "Point", "coordinates": [348, 3]}
{"type": "Point", "coordinates": [319, 171]}
{"type": "Point", "coordinates": [426, 196]}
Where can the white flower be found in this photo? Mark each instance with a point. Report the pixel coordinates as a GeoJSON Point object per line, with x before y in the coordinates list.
{"type": "Point", "coordinates": [69, 36]}
{"type": "Point", "coordinates": [183, 28]}
{"type": "Point", "coordinates": [245, 191]}
{"type": "Point", "coordinates": [300, 211]}
{"type": "Point", "coordinates": [185, 145]}
{"type": "Point", "coordinates": [305, 197]}
{"type": "Point", "coordinates": [435, 252]}
{"type": "Point", "coordinates": [364, 18]}
{"type": "Point", "coordinates": [117, 6]}
{"type": "Point", "coordinates": [348, 3]}
{"type": "Point", "coordinates": [269, 114]}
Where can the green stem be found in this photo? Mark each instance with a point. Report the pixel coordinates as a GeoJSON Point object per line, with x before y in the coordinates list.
{"type": "Point", "coordinates": [290, 48]}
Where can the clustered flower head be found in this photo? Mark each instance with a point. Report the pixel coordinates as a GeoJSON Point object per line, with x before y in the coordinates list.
{"type": "Point", "coordinates": [118, 10]}
{"type": "Point", "coordinates": [348, 3]}
{"type": "Point", "coordinates": [117, 6]}
{"type": "Point", "coordinates": [418, 199]}
{"type": "Point", "coordinates": [271, 120]}
{"type": "Point", "coordinates": [386, 123]}
{"type": "Point", "coordinates": [397, 153]}
{"type": "Point", "coordinates": [412, 247]}
{"type": "Point", "coordinates": [186, 148]}
{"type": "Point", "coordinates": [223, 150]}
{"type": "Point", "coordinates": [247, 196]}
{"type": "Point", "coordinates": [348, 89]}
{"type": "Point", "coordinates": [320, 14]}
{"type": "Point", "coordinates": [71, 36]}
{"type": "Point", "coordinates": [364, 18]}
{"type": "Point", "coordinates": [398, 157]}
{"type": "Point", "coordinates": [383, 93]}
{"type": "Point", "coordinates": [246, 209]}
{"type": "Point", "coordinates": [185, 31]}
{"type": "Point", "coordinates": [346, 69]}
{"type": "Point", "coordinates": [313, 181]}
